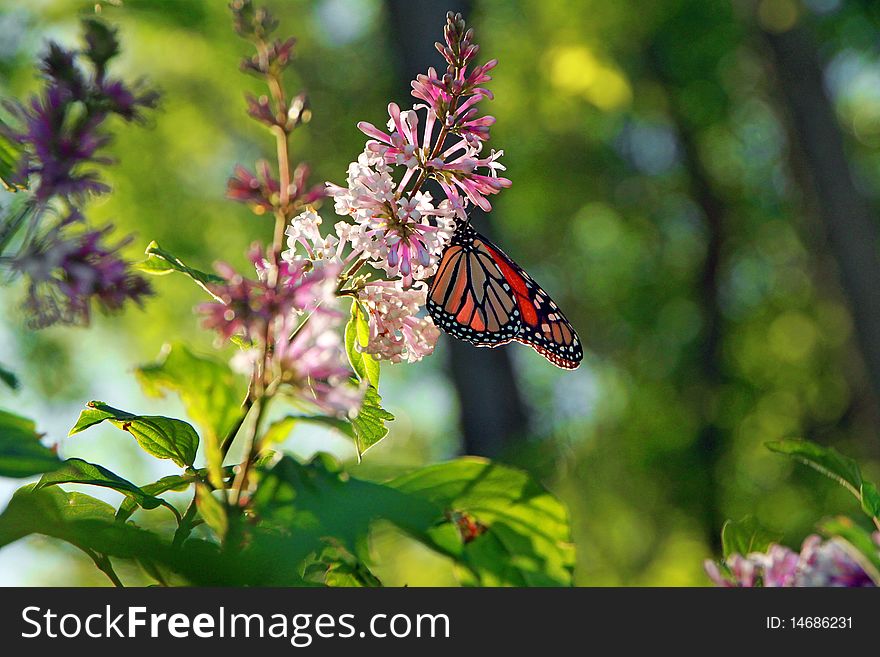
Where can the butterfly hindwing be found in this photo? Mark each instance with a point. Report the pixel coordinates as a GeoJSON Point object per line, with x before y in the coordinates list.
{"type": "Point", "coordinates": [482, 296]}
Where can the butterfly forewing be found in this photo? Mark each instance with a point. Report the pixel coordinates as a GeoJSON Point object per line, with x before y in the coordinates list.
{"type": "Point", "coordinates": [469, 299]}
{"type": "Point", "coordinates": [482, 296]}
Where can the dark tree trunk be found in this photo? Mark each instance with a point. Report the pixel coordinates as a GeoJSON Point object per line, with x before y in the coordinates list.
{"type": "Point", "coordinates": [492, 413]}
{"type": "Point", "coordinates": [851, 228]}
{"type": "Point", "coordinates": [706, 363]}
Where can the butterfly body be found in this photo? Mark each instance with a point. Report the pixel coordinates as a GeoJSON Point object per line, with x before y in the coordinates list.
{"type": "Point", "coordinates": [480, 295]}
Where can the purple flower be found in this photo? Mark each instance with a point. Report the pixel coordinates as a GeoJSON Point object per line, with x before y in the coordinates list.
{"type": "Point", "coordinates": [60, 129]}
{"type": "Point", "coordinates": [397, 334]}
{"type": "Point", "coordinates": [306, 356]}
{"type": "Point", "coordinates": [275, 57]}
{"type": "Point", "coordinates": [67, 274]}
{"type": "Point", "coordinates": [403, 236]}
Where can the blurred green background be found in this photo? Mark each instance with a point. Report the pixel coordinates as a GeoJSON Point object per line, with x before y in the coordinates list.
{"type": "Point", "coordinates": [664, 191]}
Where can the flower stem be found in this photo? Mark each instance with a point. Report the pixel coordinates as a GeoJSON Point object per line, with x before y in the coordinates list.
{"type": "Point", "coordinates": [185, 527]}
{"type": "Point", "coordinates": [102, 561]}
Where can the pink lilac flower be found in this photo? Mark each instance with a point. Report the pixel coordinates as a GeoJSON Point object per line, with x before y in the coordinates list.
{"type": "Point", "coordinates": [260, 191]}
{"type": "Point", "coordinates": [820, 563]}
{"type": "Point", "coordinates": [396, 333]}
{"type": "Point", "coordinates": [309, 356]}
{"type": "Point", "coordinates": [67, 274]}
{"type": "Point", "coordinates": [461, 174]}
{"type": "Point", "coordinates": [315, 365]}
{"type": "Point", "coordinates": [305, 242]}
{"type": "Point", "coordinates": [401, 147]}
{"type": "Point", "coordinates": [246, 306]}
{"type": "Point", "coordinates": [402, 236]}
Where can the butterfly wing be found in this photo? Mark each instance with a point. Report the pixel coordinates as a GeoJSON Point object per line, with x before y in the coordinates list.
{"type": "Point", "coordinates": [469, 297]}
{"type": "Point", "coordinates": [481, 295]}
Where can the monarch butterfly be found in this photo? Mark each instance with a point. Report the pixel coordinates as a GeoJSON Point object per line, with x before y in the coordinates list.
{"type": "Point", "coordinates": [481, 296]}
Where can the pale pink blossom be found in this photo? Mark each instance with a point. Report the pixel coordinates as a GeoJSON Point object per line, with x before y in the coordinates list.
{"type": "Point", "coordinates": [397, 334]}
{"type": "Point", "coordinates": [402, 236]}
{"type": "Point", "coordinates": [305, 242]}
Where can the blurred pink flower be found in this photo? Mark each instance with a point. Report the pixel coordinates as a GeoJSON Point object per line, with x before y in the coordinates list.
{"type": "Point", "coordinates": [820, 563]}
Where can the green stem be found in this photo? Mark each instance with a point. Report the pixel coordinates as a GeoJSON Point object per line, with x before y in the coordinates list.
{"type": "Point", "coordinates": [102, 561]}
{"type": "Point", "coordinates": [253, 448]}
{"type": "Point", "coordinates": [233, 432]}
{"type": "Point", "coordinates": [185, 527]}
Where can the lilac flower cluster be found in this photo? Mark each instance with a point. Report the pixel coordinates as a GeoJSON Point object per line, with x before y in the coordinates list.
{"type": "Point", "coordinates": [287, 316]}
{"type": "Point", "coordinates": [61, 133]}
{"type": "Point", "coordinates": [59, 137]}
{"type": "Point", "coordinates": [820, 563]}
{"type": "Point", "coordinates": [397, 226]}
{"type": "Point", "coordinates": [291, 309]}
{"type": "Point", "coordinates": [67, 274]}
{"type": "Point", "coordinates": [393, 224]}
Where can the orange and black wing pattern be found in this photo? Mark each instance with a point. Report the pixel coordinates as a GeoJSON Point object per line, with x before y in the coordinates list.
{"type": "Point", "coordinates": [483, 297]}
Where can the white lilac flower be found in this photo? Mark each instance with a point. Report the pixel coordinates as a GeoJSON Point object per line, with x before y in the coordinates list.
{"type": "Point", "coordinates": [304, 240]}
{"type": "Point", "coordinates": [402, 236]}
{"type": "Point", "coordinates": [397, 334]}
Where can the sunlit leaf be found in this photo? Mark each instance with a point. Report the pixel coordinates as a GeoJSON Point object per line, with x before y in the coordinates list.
{"type": "Point", "coordinates": [826, 460]}
{"type": "Point", "coordinates": [369, 424]}
{"type": "Point", "coordinates": [211, 393]}
{"type": "Point", "coordinates": [357, 336]}
{"type": "Point", "coordinates": [160, 262]}
{"type": "Point", "coordinates": [21, 452]}
{"type": "Point", "coordinates": [212, 511]}
{"type": "Point", "coordinates": [512, 531]}
{"type": "Point", "coordinates": [746, 536]}
{"type": "Point", "coordinates": [162, 437]}
{"type": "Point", "coordinates": [77, 471]}
{"type": "Point", "coordinates": [165, 484]}
{"type": "Point", "coordinates": [870, 498]}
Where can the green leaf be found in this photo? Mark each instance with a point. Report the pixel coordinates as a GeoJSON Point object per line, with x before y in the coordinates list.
{"type": "Point", "coordinates": [306, 503]}
{"type": "Point", "coordinates": [8, 378]}
{"type": "Point", "coordinates": [369, 425]}
{"type": "Point", "coordinates": [213, 511]}
{"type": "Point", "coordinates": [21, 452]}
{"type": "Point", "coordinates": [160, 262]}
{"type": "Point", "coordinates": [864, 547]}
{"type": "Point", "coordinates": [162, 437]}
{"type": "Point", "coordinates": [523, 535]}
{"type": "Point", "coordinates": [48, 511]}
{"type": "Point", "coordinates": [870, 498]}
{"type": "Point", "coordinates": [89, 524]}
{"type": "Point", "coordinates": [826, 460]}
{"type": "Point", "coordinates": [281, 429]}
{"type": "Point", "coordinates": [165, 484]}
{"type": "Point", "coordinates": [10, 156]}
{"type": "Point", "coordinates": [335, 566]}
{"type": "Point", "coordinates": [836, 466]}
{"type": "Point", "coordinates": [746, 536]}
{"type": "Point", "coordinates": [210, 391]}
{"type": "Point", "coordinates": [77, 471]}
{"type": "Point", "coordinates": [357, 337]}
